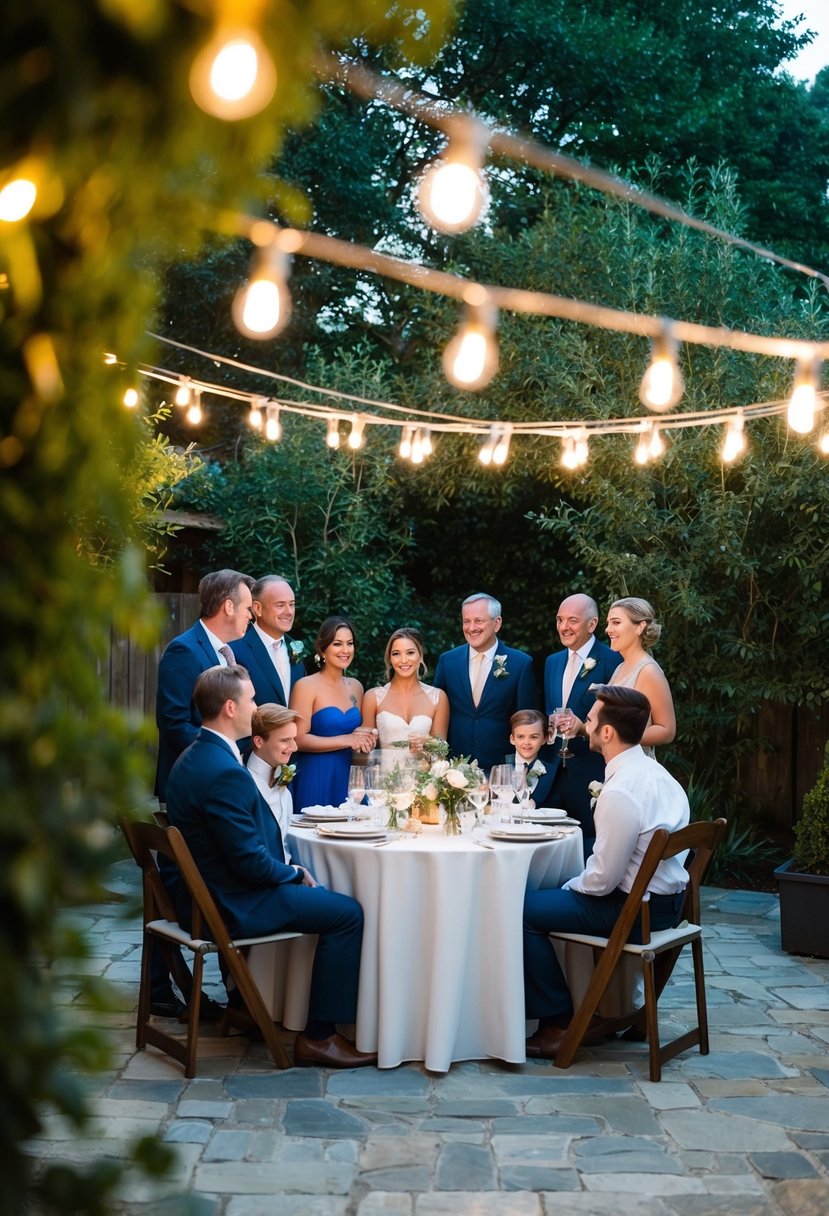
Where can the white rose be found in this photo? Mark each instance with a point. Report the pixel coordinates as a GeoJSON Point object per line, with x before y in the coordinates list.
{"type": "Point", "coordinates": [429, 791]}
{"type": "Point", "coordinates": [456, 779]}
{"type": "Point", "coordinates": [439, 768]}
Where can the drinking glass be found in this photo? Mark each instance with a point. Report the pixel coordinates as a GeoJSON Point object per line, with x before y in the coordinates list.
{"type": "Point", "coordinates": [478, 795]}
{"type": "Point", "coordinates": [500, 782]}
{"type": "Point", "coordinates": [563, 722]}
{"type": "Point", "coordinates": [375, 793]}
{"type": "Point", "coordinates": [521, 789]}
{"type": "Point", "coordinates": [356, 789]}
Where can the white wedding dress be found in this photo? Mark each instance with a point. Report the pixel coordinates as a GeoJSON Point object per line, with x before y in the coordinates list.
{"type": "Point", "coordinates": [391, 728]}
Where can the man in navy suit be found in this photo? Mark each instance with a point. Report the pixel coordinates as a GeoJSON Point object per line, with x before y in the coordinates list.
{"type": "Point", "coordinates": [486, 682]}
{"type": "Point", "coordinates": [224, 615]}
{"type": "Point", "coordinates": [266, 649]}
{"type": "Point", "coordinates": [568, 675]}
{"type": "Point", "coordinates": [237, 846]}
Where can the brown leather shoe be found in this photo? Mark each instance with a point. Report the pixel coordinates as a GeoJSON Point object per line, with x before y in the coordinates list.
{"type": "Point", "coordinates": [333, 1052]}
{"type": "Point", "coordinates": [545, 1044]}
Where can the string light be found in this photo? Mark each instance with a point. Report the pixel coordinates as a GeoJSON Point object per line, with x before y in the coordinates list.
{"type": "Point", "coordinates": [17, 199]}
{"type": "Point", "coordinates": [273, 427]}
{"type": "Point", "coordinates": [332, 437]}
{"type": "Point", "coordinates": [501, 448]}
{"type": "Point", "coordinates": [130, 398]}
{"type": "Point", "coordinates": [417, 448]}
{"type": "Point", "coordinates": [262, 306]}
{"type": "Point", "coordinates": [642, 451]}
{"type": "Point", "coordinates": [657, 445]}
{"type": "Point", "coordinates": [470, 359]}
{"type": "Point", "coordinates": [487, 449]}
{"type": "Point", "coordinates": [233, 75]}
{"type": "Point", "coordinates": [803, 401]}
{"type": "Point", "coordinates": [452, 193]}
{"type": "Point", "coordinates": [569, 455]}
{"type": "Point", "coordinates": [823, 443]}
{"type": "Point", "coordinates": [255, 414]}
{"type": "Point", "coordinates": [662, 384]}
{"type": "Point", "coordinates": [182, 394]}
{"type": "Point", "coordinates": [355, 435]}
{"type": "Point", "coordinates": [426, 444]}
{"type": "Point", "coordinates": [405, 448]}
{"type": "Point", "coordinates": [734, 441]}
{"type": "Point", "coordinates": [110, 359]}
{"type": "Point", "coordinates": [194, 410]}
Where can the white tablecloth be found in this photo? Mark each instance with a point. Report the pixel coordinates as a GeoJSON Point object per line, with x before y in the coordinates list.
{"type": "Point", "coordinates": [441, 975]}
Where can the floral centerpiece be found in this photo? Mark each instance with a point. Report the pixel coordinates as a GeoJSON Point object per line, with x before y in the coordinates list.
{"type": "Point", "coordinates": [439, 779]}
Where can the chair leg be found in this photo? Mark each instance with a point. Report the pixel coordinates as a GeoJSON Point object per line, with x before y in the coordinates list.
{"type": "Point", "coordinates": [193, 1017]}
{"type": "Point", "coordinates": [144, 992]}
{"type": "Point", "coordinates": [252, 998]}
{"type": "Point", "coordinates": [651, 1019]}
{"type": "Point", "coordinates": [583, 1016]}
{"type": "Point", "coordinates": [699, 988]}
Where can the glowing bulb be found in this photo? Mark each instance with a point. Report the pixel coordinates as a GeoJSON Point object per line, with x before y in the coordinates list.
{"type": "Point", "coordinates": [823, 444]}
{"type": "Point", "coordinates": [17, 199]}
{"type": "Point", "coordinates": [182, 396]}
{"type": "Point", "coordinates": [662, 384]}
{"type": "Point", "coordinates": [417, 449]}
{"type": "Point", "coordinates": [405, 448]}
{"type": "Point", "coordinates": [470, 359]}
{"type": "Point", "coordinates": [255, 415]}
{"type": "Point", "coordinates": [642, 451]}
{"type": "Point", "coordinates": [569, 455]}
{"type": "Point", "coordinates": [110, 358]}
{"type": "Point", "coordinates": [488, 447]}
{"type": "Point", "coordinates": [273, 427]}
{"type": "Point", "coordinates": [194, 410]}
{"type": "Point", "coordinates": [452, 192]}
{"type": "Point", "coordinates": [131, 398]}
{"type": "Point", "coordinates": [355, 435]}
{"type": "Point", "coordinates": [262, 307]}
{"type": "Point", "coordinates": [332, 437]}
{"type": "Point", "coordinates": [233, 76]}
{"type": "Point", "coordinates": [803, 401]}
{"type": "Point", "coordinates": [656, 447]}
{"type": "Point", "coordinates": [734, 441]}
{"type": "Point", "coordinates": [501, 449]}
{"type": "Point", "coordinates": [426, 441]}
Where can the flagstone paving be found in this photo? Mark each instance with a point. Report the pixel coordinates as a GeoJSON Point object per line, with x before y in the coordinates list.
{"type": "Point", "coordinates": [743, 1130]}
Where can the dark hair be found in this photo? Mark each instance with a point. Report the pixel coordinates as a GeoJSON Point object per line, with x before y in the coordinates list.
{"type": "Point", "coordinates": [218, 586]}
{"type": "Point", "coordinates": [528, 717]}
{"type": "Point", "coordinates": [413, 635]}
{"type": "Point", "coordinates": [625, 709]}
{"type": "Point", "coordinates": [216, 686]}
{"type": "Point", "coordinates": [328, 631]}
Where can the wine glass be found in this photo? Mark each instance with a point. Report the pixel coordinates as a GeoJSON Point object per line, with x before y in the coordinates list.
{"type": "Point", "coordinates": [478, 795]}
{"type": "Point", "coordinates": [500, 782]}
{"type": "Point", "coordinates": [563, 723]}
{"type": "Point", "coordinates": [521, 789]}
{"type": "Point", "coordinates": [356, 789]}
{"type": "Point", "coordinates": [375, 793]}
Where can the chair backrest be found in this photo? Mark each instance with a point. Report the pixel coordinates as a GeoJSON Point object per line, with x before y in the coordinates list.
{"type": "Point", "coordinates": [146, 839]}
{"type": "Point", "coordinates": [701, 839]}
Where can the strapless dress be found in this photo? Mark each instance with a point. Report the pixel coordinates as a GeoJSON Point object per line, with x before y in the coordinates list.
{"type": "Point", "coordinates": [322, 777]}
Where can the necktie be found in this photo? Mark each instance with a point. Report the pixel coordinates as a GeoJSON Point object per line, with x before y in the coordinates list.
{"type": "Point", "coordinates": [283, 666]}
{"type": "Point", "coordinates": [228, 655]}
{"type": "Point", "coordinates": [478, 682]}
{"type": "Point", "coordinates": [570, 673]}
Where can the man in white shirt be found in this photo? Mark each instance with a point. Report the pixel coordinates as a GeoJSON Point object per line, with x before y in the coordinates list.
{"type": "Point", "coordinates": [638, 796]}
{"type": "Point", "coordinates": [273, 740]}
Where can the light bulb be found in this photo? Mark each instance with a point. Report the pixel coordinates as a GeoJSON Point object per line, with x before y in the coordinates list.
{"type": "Point", "coordinates": [194, 410]}
{"type": "Point", "coordinates": [182, 396]}
{"type": "Point", "coordinates": [273, 427]}
{"type": "Point", "coordinates": [262, 307]}
{"type": "Point", "coordinates": [355, 435]}
{"type": "Point", "coordinates": [501, 449]}
{"type": "Point", "coordinates": [426, 441]}
{"type": "Point", "coordinates": [233, 75]}
{"type": "Point", "coordinates": [110, 358]}
{"type": "Point", "coordinates": [823, 444]}
{"type": "Point", "coordinates": [656, 447]}
{"type": "Point", "coordinates": [470, 359]}
{"type": "Point", "coordinates": [487, 448]}
{"type": "Point", "coordinates": [452, 192]}
{"type": "Point", "coordinates": [569, 455]}
{"type": "Point", "coordinates": [131, 398]}
{"type": "Point", "coordinates": [734, 441]}
{"type": "Point", "coordinates": [642, 451]}
{"type": "Point", "coordinates": [405, 448]}
{"type": "Point", "coordinates": [255, 415]}
{"type": "Point", "coordinates": [417, 449]}
{"type": "Point", "coordinates": [662, 384]}
{"type": "Point", "coordinates": [332, 437]}
{"type": "Point", "coordinates": [803, 401]}
{"type": "Point", "coordinates": [17, 199]}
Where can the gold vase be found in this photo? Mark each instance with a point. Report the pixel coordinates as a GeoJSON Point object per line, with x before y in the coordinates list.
{"type": "Point", "coordinates": [427, 811]}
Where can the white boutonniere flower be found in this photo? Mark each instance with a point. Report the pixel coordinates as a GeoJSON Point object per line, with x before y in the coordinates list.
{"type": "Point", "coordinates": [587, 666]}
{"type": "Point", "coordinates": [500, 662]}
{"type": "Point", "coordinates": [594, 789]}
{"type": "Point", "coordinates": [296, 650]}
{"type": "Point", "coordinates": [536, 769]}
{"type": "Point", "coordinates": [284, 775]}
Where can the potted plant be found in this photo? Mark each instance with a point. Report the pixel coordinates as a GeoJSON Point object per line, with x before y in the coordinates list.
{"type": "Point", "coordinates": [804, 880]}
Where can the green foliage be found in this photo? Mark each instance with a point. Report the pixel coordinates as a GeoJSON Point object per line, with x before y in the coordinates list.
{"type": "Point", "coordinates": [811, 833]}
{"type": "Point", "coordinates": [743, 852]}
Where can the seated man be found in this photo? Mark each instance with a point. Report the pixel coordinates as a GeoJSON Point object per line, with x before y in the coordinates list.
{"type": "Point", "coordinates": [638, 796]}
{"type": "Point", "coordinates": [237, 846]}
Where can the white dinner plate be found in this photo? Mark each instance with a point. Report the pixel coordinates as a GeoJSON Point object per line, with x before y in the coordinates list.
{"type": "Point", "coordinates": [523, 831]}
{"type": "Point", "coordinates": [547, 815]}
{"type": "Point", "coordinates": [324, 814]}
{"type": "Point", "coordinates": [351, 831]}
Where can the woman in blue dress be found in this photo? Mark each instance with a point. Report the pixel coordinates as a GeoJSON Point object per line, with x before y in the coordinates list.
{"type": "Point", "coordinates": [330, 727]}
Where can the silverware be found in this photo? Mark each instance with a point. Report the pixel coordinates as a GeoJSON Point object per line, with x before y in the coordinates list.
{"type": "Point", "coordinates": [482, 844]}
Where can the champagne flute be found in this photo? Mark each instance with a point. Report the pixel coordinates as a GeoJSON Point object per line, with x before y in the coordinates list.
{"type": "Point", "coordinates": [500, 781]}
{"type": "Point", "coordinates": [356, 789]}
{"type": "Point", "coordinates": [375, 793]}
{"type": "Point", "coordinates": [563, 719]}
{"type": "Point", "coordinates": [478, 795]}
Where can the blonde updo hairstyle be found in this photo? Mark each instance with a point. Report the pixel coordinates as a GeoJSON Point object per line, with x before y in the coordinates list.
{"type": "Point", "coordinates": [641, 611]}
{"type": "Point", "coordinates": [407, 633]}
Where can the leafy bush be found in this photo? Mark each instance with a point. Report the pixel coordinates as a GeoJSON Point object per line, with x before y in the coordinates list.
{"type": "Point", "coordinates": [811, 833]}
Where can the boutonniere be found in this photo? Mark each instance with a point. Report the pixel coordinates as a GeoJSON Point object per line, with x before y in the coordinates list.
{"type": "Point", "coordinates": [500, 662]}
{"type": "Point", "coordinates": [296, 650]}
{"type": "Point", "coordinates": [536, 769]}
{"type": "Point", "coordinates": [587, 666]}
{"type": "Point", "coordinates": [283, 775]}
{"type": "Point", "coordinates": [594, 789]}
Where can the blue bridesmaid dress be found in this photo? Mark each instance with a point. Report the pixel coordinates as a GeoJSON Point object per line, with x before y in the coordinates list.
{"type": "Point", "coordinates": [322, 777]}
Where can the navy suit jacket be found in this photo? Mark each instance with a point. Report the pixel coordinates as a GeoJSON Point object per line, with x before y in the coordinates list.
{"type": "Point", "coordinates": [177, 718]}
{"type": "Point", "coordinates": [267, 686]}
{"type": "Point", "coordinates": [483, 730]}
{"type": "Point", "coordinates": [584, 766]}
{"type": "Point", "coordinates": [233, 836]}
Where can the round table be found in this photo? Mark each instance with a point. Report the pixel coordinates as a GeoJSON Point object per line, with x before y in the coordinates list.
{"type": "Point", "coordinates": [441, 974]}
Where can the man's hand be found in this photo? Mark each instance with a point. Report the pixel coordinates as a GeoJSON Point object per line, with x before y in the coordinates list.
{"type": "Point", "coordinates": [308, 879]}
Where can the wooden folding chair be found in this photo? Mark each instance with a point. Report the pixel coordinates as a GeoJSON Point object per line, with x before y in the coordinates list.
{"type": "Point", "coordinates": [209, 936]}
{"type": "Point", "coordinates": [658, 952]}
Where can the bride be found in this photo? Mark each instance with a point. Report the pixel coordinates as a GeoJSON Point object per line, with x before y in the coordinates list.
{"type": "Point", "coordinates": [404, 709]}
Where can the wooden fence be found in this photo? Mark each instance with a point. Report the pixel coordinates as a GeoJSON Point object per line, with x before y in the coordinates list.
{"type": "Point", "coordinates": [774, 781]}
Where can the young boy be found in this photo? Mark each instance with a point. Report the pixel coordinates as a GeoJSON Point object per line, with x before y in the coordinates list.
{"type": "Point", "coordinates": [528, 736]}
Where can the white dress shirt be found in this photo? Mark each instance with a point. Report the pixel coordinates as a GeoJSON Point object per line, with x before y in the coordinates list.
{"type": "Point", "coordinates": [277, 649]}
{"type": "Point", "coordinates": [217, 644]}
{"type": "Point", "coordinates": [638, 796]}
{"type": "Point", "coordinates": [278, 798]}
